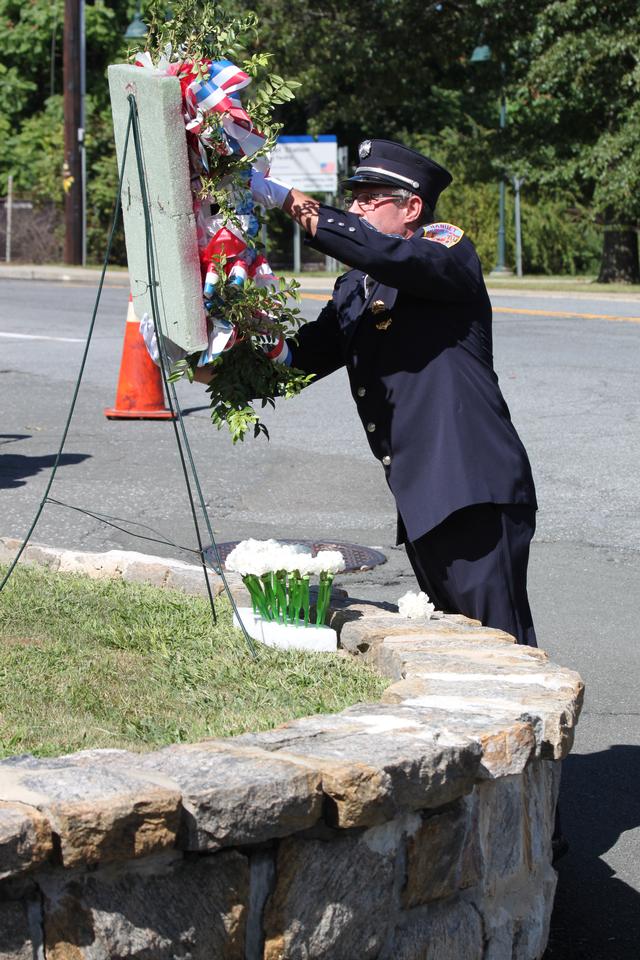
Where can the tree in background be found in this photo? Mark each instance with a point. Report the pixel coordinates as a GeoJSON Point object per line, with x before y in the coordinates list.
{"type": "Point", "coordinates": [574, 125]}
{"type": "Point", "coordinates": [396, 69]}
{"type": "Point", "coordinates": [369, 67]}
{"type": "Point", "coordinates": [31, 108]}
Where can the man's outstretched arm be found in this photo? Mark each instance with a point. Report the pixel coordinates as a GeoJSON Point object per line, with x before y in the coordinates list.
{"type": "Point", "coordinates": [270, 193]}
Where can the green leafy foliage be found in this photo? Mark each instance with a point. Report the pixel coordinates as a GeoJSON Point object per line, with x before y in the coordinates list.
{"type": "Point", "coordinates": [366, 68]}
{"type": "Point", "coordinates": [31, 113]}
{"type": "Point", "coordinates": [575, 117]}
{"type": "Point", "coordinates": [241, 375]}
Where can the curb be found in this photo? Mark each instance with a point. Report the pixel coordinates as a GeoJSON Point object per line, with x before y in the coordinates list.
{"type": "Point", "coordinates": [133, 567]}
{"type": "Point", "coordinates": [124, 565]}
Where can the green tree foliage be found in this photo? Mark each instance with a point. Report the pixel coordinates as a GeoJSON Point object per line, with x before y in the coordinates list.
{"type": "Point", "coordinates": [31, 109]}
{"type": "Point", "coordinates": [550, 222]}
{"type": "Point", "coordinates": [369, 67]}
{"type": "Point", "coordinates": [574, 114]}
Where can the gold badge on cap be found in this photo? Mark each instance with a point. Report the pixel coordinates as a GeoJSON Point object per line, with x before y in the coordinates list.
{"type": "Point", "coordinates": [384, 324]}
{"type": "Point", "coordinates": [378, 306]}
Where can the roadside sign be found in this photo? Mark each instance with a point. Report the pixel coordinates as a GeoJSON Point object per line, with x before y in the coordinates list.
{"type": "Point", "coordinates": [307, 163]}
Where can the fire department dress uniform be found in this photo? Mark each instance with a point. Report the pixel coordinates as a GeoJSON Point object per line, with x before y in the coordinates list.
{"type": "Point", "coordinates": [411, 321]}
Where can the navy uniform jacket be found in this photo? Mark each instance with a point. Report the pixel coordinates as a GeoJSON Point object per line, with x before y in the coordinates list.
{"type": "Point", "coordinates": [412, 324]}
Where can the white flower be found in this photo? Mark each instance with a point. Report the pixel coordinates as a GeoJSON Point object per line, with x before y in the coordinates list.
{"type": "Point", "coordinates": [291, 556]}
{"type": "Point", "coordinates": [256, 557]}
{"type": "Point", "coordinates": [330, 561]}
{"type": "Point", "coordinates": [326, 561]}
{"type": "Point", "coordinates": [415, 606]}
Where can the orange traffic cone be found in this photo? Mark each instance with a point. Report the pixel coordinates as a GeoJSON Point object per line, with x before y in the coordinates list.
{"type": "Point", "coordinates": [139, 395]}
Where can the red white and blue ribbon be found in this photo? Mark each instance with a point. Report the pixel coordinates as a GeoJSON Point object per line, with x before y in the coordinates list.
{"type": "Point", "coordinates": [215, 94]}
{"type": "Point", "coordinates": [216, 91]}
{"type": "Point", "coordinates": [276, 349]}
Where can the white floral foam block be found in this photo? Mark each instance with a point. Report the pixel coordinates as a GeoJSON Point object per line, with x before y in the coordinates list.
{"type": "Point", "coordinates": [287, 636]}
{"type": "Point", "coordinates": [166, 164]}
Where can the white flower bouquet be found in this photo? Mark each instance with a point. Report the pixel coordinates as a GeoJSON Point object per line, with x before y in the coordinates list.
{"type": "Point", "coordinates": [278, 575]}
{"type": "Point", "coordinates": [415, 606]}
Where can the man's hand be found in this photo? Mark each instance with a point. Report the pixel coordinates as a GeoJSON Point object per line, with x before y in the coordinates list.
{"type": "Point", "coordinates": [276, 348]}
{"type": "Point", "coordinates": [172, 351]}
{"type": "Point", "coordinates": [267, 191]}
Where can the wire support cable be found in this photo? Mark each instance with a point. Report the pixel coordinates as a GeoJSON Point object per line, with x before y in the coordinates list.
{"type": "Point", "coordinates": [115, 523]}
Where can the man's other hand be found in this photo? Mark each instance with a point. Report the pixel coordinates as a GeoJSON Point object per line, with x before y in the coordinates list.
{"type": "Point", "coordinates": [172, 351]}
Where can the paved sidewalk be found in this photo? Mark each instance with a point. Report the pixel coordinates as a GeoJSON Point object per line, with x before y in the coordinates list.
{"type": "Point", "coordinates": [119, 277]}
{"type": "Point", "coordinates": [63, 273]}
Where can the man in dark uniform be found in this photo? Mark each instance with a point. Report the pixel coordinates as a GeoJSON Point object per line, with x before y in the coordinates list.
{"type": "Point", "coordinates": [411, 321]}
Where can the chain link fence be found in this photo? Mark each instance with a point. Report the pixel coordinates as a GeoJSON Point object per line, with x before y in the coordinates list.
{"type": "Point", "coordinates": [30, 233]}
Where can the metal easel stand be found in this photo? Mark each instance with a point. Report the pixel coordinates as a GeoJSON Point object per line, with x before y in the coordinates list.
{"type": "Point", "coordinates": [184, 449]}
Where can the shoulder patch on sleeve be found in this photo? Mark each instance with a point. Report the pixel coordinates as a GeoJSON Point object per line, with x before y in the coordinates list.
{"type": "Point", "coordinates": [445, 233]}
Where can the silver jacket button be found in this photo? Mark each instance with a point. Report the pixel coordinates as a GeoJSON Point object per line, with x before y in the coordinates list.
{"type": "Point", "coordinates": [330, 219]}
{"type": "Point", "coordinates": [371, 427]}
{"type": "Point", "coordinates": [361, 391]}
{"type": "Point", "coordinates": [340, 223]}
{"type": "Point", "coordinates": [386, 460]}
{"type": "Point", "coordinates": [352, 229]}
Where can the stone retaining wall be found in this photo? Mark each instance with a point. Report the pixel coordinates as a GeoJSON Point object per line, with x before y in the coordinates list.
{"type": "Point", "coordinates": [417, 828]}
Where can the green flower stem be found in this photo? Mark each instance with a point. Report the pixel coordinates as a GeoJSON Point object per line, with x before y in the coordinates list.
{"type": "Point", "coordinates": [301, 589]}
{"type": "Point", "coordinates": [303, 592]}
{"type": "Point", "coordinates": [248, 582]}
{"type": "Point", "coordinates": [271, 606]}
{"type": "Point", "coordinates": [258, 599]}
{"type": "Point", "coordinates": [324, 593]}
{"type": "Point", "coordinates": [292, 594]}
{"type": "Point", "coordinates": [305, 598]}
{"type": "Point", "coordinates": [255, 606]}
{"type": "Point", "coordinates": [281, 592]}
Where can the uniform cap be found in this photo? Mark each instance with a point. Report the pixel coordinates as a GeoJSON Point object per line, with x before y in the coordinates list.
{"type": "Point", "coordinates": [392, 164]}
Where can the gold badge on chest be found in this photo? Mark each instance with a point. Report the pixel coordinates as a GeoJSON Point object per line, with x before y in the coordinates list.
{"type": "Point", "coordinates": [384, 324]}
{"type": "Point", "coordinates": [377, 307]}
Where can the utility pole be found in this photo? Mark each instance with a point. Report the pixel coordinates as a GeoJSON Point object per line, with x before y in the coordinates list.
{"type": "Point", "coordinates": [517, 183]}
{"type": "Point", "coordinates": [73, 132]}
{"type": "Point", "coordinates": [501, 267]}
{"type": "Point", "coordinates": [9, 212]}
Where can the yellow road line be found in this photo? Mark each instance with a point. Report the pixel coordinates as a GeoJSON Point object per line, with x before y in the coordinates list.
{"type": "Point", "coordinates": [567, 314]}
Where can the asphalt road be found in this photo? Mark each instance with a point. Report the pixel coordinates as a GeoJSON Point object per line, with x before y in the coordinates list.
{"type": "Point", "coordinates": [568, 366]}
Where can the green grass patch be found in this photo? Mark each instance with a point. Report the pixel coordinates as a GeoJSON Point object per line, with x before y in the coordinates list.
{"type": "Point", "coordinates": [104, 663]}
{"type": "Point", "coordinates": [561, 284]}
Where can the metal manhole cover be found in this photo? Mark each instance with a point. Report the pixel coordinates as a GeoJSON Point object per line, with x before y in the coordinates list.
{"type": "Point", "coordinates": [355, 556]}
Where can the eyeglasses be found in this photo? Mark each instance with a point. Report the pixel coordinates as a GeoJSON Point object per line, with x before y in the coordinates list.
{"type": "Point", "coordinates": [366, 201]}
